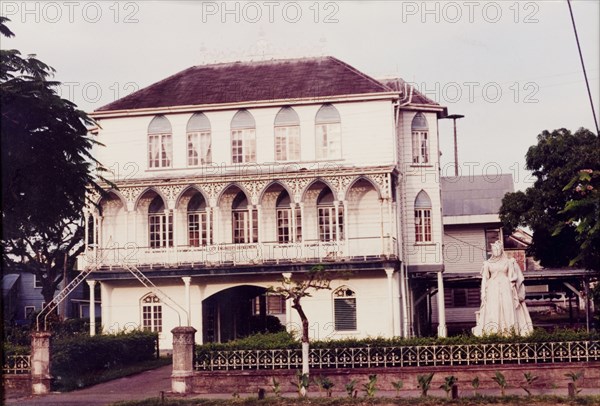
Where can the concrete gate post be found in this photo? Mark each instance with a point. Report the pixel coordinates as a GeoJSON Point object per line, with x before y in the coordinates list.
{"type": "Point", "coordinates": [40, 362]}
{"type": "Point", "coordinates": [183, 359]}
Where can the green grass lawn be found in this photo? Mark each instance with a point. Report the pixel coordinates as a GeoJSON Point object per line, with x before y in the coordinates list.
{"type": "Point", "coordinates": [427, 401]}
{"type": "Point", "coordinates": [67, 384]}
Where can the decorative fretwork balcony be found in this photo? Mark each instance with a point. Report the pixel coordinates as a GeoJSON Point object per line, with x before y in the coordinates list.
{"type": "Point", "coordinates": [360, 249]}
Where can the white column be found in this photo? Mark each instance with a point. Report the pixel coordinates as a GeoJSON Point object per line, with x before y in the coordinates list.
{"type": "Point", "coordinates": [303, 228]}
{"type": "Point", "coordinates": [292, 222]}
{"type": "Point", "coordinates": [251, 224]}
{"type": "Point", "coordinates": [404, 293]}
{"type": "Point", "coordinates": [86, 216]}
{"type": "Point", "coordinates": [336, 213]}
{"type": "Point", "coordinates": [216, 228]}
{"type": "Point", "coordinates": [345, 227]}
{"type": "Point", "coordinates": [208, 229]}
{"type": "Point", "coordinates": [442, 330]}
{"type": "Point", "coordinates": [389, 228]}
{"type": "Point", "coordinates": [188, 304]}
{"type": "Point", "coordinates": [259, 220]}
{"type": "Point", "coordinates": [390, 281]}
{"type": "Point", "coordinates": [382, 231]}
{"type": "Point", "coordinates": [92, 310]}
{"type": "Point", "coordinates": [200, 320]}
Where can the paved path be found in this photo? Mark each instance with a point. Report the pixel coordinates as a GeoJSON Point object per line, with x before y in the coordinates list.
{"type": "Point", "coordinates": [144, 385]}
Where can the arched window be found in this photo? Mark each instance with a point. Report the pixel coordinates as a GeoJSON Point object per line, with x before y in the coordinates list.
{"type": "Point", "coordinates": [285, 220]}
{"type": "Point", "coordinates": [151, 313]}
{"type": "Point", "coordinates": [330, 225]}
{"type": "Point", "coordinates": [243, 138]}
{"type": "Point", "coordinates": [328, 133]}
{"type": "Point", "coordinates": [344, 309]}
{"type": "Point", "coordinates": [420, 139]}
{"type": "Point", "coordinates": [422, 217]}
{"type": "Point", "coordinates": [244, 221]}
{"type": "Point", "coordinates": [160, 226]}
{"type": "Point", "coordinates": [198, 233]}
{"type": "Point", "coordinates": [160, 144]}
{"type": "Point", "coordinates": [287, 135]}
{"type": "Point", "coordinates": [198, 140]}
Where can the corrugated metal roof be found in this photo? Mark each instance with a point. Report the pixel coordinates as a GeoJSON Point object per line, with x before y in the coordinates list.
{"type": "Point", "coordinates": [474, 195]}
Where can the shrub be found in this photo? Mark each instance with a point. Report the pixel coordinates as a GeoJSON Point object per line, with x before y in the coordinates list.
{"type": "Point", "coordinates": [81, 354]}
{"type": "Point", "coordinates": [501, 381]}
{"type": "Point", "coordinates": [371, 386]}
{"type": "Point", "coordinates": [449, 382]}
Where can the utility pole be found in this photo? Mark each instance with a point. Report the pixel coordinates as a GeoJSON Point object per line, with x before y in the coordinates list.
{"type": "Point", "coordinates": [454, 117]}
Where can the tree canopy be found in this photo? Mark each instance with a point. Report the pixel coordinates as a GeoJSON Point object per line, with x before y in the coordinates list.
{"type": "Point", "coordinates": [46, 168]}
{"type": "Point", "coordinates": [560, 207]}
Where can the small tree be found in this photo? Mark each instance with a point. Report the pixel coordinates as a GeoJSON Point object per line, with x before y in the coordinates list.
{"type": "Point", "coordinates": [295, 290]}
{"type": "Point", "coordinates": [501, 381]}
{"type": "Point", "coordinates": [424, 383]}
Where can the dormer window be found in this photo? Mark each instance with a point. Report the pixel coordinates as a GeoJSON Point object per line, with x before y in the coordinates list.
{"type": "Point", "coordinates": [328, 133]}
{"type": "Point", "coordinates": [160, 144]}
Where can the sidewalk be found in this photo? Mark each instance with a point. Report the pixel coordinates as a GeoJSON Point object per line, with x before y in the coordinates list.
{"type": "Point", "coordinates": [144, 385]}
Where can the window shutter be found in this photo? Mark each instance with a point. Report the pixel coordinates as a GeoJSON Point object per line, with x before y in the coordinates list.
{"type": "Point", "coordinates": [345, 314]}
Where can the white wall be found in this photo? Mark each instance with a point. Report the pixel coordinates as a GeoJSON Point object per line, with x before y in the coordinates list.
{"type": "Point", "coordinates": [416, 178]}
{"type": "Point", "coordinates": [367, 139]}
{"type": "Point", "coordinates": [464, 248]}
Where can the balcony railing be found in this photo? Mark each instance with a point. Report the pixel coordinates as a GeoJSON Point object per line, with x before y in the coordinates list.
{"type": "Point", "coordinates": [360, 249]}
{"type": "Point", "coordinates": [401, 356]}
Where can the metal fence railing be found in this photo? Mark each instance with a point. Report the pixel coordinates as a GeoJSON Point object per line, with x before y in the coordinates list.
{"type": "Point", "coordinates": [401, 356]}
{"type": "Point", "coordinates": [16, 365]}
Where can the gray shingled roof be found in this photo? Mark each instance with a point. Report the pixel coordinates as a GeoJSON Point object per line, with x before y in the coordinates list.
{"type": "Point", "coordinates": [474, 195]}
{"type": "Point", "coordinates": [252, 81]}
{"type": "Point", "coordinates": [400, 85]}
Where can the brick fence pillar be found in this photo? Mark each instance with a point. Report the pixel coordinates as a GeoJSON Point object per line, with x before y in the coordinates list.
{"type": "Point", "coordinates": [40, 362]}
{"type": "Point", "coordinates": [183, 359]}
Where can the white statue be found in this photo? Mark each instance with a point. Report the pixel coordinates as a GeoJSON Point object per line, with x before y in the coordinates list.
{"type": "Point", "coordinates": [503, 310]}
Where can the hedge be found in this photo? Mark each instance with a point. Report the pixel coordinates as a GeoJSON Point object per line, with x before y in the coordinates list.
{"type": "Point", "coordinates": [285, 340]}
{"type": "Point", "coordinates": [83, 354]}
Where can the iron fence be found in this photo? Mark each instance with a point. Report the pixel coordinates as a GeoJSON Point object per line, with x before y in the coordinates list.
{"type": "Point", "coordinates": [16, 365]}
{"type": "Point", "coordinates": [402, 356]}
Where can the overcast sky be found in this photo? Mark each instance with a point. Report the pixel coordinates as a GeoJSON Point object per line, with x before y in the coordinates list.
{"type": "Point", "coordinates": [511, 67]}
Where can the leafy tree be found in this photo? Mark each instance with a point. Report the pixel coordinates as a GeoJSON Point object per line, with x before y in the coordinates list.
{"type": "Point", "coordinates": [548, 206]}
{"type": "Point", "coordinates": [46, 167]}
{"type": "Point", "coordinates": [295, 290]}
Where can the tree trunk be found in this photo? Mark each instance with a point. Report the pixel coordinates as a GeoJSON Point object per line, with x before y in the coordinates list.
{"type": "Point", "coordinates": [305, 339]}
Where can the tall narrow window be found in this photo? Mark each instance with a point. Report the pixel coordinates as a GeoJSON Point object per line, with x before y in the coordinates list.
{"type": "Point", "coordinates": [285, 222]}
{"type": "Point", "coordinates": [244, 230]}
{"type": "Point", "coordinates": [326, 213]}
{"type": "Point", "coordinates": [328, 133]}
{"type": "Point", "coordinates": [151, 313]}
{"type": "Point", "coordinates": [160, 148]}
{"type": "Point", "coordinates": [160, 226]}
{"type": "Point", "coordinates": [287, 135]}
{"type": "Point", "coordinates": [197, 222]}
{"type": "Point", "coordinates": [243, 138]}
{"type": "Point", "coordinates": [199, 148]}
{"type": "Point", "coordinates": [420, 139]}
{"type": "Point", "coordinates": [344, 309]}
{"type": "Point", "coordinates": [422, 217]}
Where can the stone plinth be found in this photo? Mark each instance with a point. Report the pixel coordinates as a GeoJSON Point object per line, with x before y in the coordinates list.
{"type": "Point", "coordinates": [40, 362]}
{"type": "Point", "coordinates": [183, 359]}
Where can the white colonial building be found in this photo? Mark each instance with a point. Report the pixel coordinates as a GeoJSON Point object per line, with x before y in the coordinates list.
{"type": "Point", "coordinates": [231, 175]}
